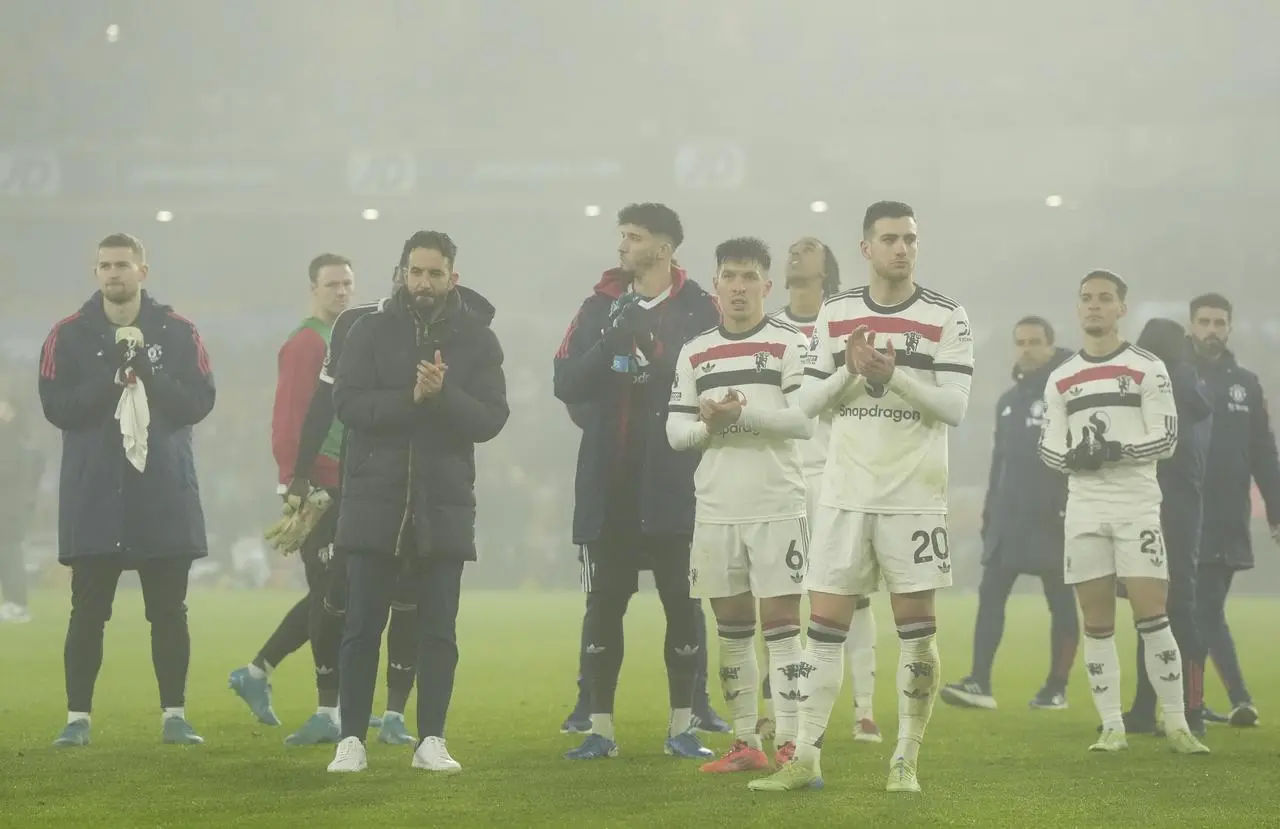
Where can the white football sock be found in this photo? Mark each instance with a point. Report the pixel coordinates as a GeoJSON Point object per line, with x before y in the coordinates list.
{"type": "Point", "coordinates": [173, 713]}
{"type": "Point", "coordinates": [739, 676]}
{"type": "Point", "coordinates": [390, 715]}
{"type": "Point", "coordinates": [259, 673]}
{"type": "Point", "coordinates": [821, 672]}
{"type": "Point", "coordinates": [680, 722]}
{"type": "Point", "coordinates": [331, 713]}
{"type": "Point", "coordinates": [1103, 664]}
{"type": "Point", "coordinates": [861, 653]}
{"type": "Point", "coordinates": [602, 724]}
{"type": "Point", "coordinates": [1164, 669]}
{"type": "Point", "coordinates": [783, 646]}
{"type": "Point", "coordinates": [918, 671]}
{"type": "Point", "coordinates": [76, 716]}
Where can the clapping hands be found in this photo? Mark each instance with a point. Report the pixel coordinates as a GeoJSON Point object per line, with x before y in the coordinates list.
{"type": "Point", "coordinates": [720, 414]}
{"type": "Point", "coordinates": [430, 379]}
{"type": "Point", "coordinates": [861, 356]}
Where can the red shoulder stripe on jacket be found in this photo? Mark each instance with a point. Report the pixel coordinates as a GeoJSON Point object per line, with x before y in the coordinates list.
{"type": "Point", "coordinates": [563, 350]}
{"type": "Point", "coordinates": [202, 356]}
{"type": "Point", "coordinates": [48, 364]}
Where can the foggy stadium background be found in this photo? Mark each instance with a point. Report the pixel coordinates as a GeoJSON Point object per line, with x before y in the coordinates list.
{"type": "Point", "coordinates": [267, 131]}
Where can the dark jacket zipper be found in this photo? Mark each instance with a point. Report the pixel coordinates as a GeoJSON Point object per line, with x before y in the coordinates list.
{"type": "Point", "coordinates": [408, 494]}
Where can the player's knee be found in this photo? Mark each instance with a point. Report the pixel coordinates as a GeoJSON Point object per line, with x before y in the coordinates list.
{"type": "Point", "coordinates": [911, 606]}
{"type": "Point", "coordinates": [162, 613]}
{"type": "Point", "coordinates": [780, 611]}
{"type": "Point", "coordinates": [606, 605]}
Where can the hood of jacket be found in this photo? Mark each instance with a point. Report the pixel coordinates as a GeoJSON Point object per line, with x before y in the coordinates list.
{"type": "Point", "coordinates": [461, 301]}
{"type": "Point", "coordinates": [1040, 376]}
{"type": "Point", "coordinates": [94, 310]}
{"type": "Point", "coordinates": [615, 281]}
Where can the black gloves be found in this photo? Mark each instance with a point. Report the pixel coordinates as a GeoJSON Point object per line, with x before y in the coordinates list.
{"type": "Point", "coordinates": [1091, 452]}
{"type": "Point", "coordinates": [628, 327]}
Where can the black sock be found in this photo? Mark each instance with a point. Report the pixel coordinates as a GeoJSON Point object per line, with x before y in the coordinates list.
{"type": "Point", "coordinates": [82, 659]}
{"type": "Point", "coordinates": [680, 649]}
{"type": "Point", "coordinates": [292, 633]}
{"type": "Point", "coordinates": [602, 654]}
{"type": "Point", "coordinates": [402, 657]}
{"type": "Point", "coordinates": [326, 646]}
{"type": "Point", "coordinates": [701, 699]}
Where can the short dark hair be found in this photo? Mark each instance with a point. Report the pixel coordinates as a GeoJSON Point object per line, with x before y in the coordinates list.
{"type": "Point", "coordinates": [326, 260]}
{"type": "Point", "coordinates": [124, 240]}
{"type": "Point", "coordinates": [430, 240]}
{"type": "Point", "coordinates": [1122, 288]}
{"type": "Point", "coordinates": [1216, 301]}
{"type": "Point", "coordinates": [831, 271]}
{"type": "Point", "coordinates": [885, 210]}
{"type": "Point", "coordinates": [656, 218]}
{"type": "Point", "coordinates": [1043, 323]}
{"type": "Point", "coordinates": [743, 249]}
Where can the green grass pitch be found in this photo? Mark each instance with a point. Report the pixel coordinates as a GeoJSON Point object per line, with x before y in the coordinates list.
{"type": "Point", "coordinates": [1013, 767]}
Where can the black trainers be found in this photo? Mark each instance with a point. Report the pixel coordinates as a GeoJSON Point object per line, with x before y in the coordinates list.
{"type": "Point", "coordinates": [1049, 699]}
{"type": "Point", "coordinates": [968, 693]}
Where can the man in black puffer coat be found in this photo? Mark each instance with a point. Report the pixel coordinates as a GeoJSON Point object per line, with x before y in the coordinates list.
{"type": "Point", "coordinates": [1022, 527]}
{"type": "Point", "coordinates": [112, 517]}
{"type": "Point", "coordinates": [419, 384]}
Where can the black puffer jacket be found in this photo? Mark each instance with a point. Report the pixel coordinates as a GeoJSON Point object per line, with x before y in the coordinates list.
{"type": "Point", "coordinates": [408, 472]}
{"type": "Point", "coordinates": [1022, 515]}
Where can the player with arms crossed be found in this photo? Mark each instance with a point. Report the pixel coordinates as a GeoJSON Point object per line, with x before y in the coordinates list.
{"type": "Point", "coordinates": [1109, 417]}
{"type": "Point", "coordinates": [883, 508]}
{"type": "Point", "coordinates": [734, 397]}
{"type": "Point", "coordinates": [813, 275]}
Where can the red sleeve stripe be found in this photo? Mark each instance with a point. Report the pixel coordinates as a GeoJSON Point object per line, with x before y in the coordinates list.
{"type": "Point", "coordinates": [48, 363]}
{"type": "Point", "coordinates": [1103, 372]}
{"type": "Point", "coordinates": [202, 356]}
{"type": "Point", "coordinates": [563, 350]}
{"type": "Point", "coordinates": [746, 348]}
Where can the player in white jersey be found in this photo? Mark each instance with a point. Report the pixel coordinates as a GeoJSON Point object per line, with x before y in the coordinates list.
{"type": "Point", "coordinates": [1109, 417]}
{"type": "Point", "coordinates": [735, 398]}
{"type": "Point", "coordinates": [813, 275]}
{"type": "Point", "coordinates": [882, 511]}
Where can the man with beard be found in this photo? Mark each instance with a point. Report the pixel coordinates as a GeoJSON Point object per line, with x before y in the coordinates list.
{"type": "Point", "coordinates": [127, 497]}
{"type": "Point", "coordinates": [1022, 527]}
{"type": "Point", "coordinates": [301, 360]}
{"type": "Point", "coordinates": [634, 502]}
{"type": "Point", "coordinates": [813, 275]}
{"type": "Point", "coordinates": [419, 384]}
{"type": "Point", "coordinates": [1241, 451]}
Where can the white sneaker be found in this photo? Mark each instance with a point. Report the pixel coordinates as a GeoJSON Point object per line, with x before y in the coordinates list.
{"type": "Point", "coordinates": [14, 613]}
{"type": "Point", "coordinates": [350, 756]}
{"type": "Point", "coordinates": [433, 756]}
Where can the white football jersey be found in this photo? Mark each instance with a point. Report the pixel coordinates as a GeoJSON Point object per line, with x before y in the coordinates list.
{"type": "Point", "coordinates": [888, 454]}
{"type": "Point", "coordinates": [745, 475]}
{"type": "Point", "coordinates": [813, 452]}
{"type": "Point", "coordinates": [1124, 397]}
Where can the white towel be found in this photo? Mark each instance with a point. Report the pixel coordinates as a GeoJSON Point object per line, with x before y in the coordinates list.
{"type": "Point", "coordinates": [135, 418]}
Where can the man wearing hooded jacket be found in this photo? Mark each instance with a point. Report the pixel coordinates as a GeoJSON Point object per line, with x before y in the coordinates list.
{"type": "Point", "coordinates": [633, 494]}
{"type": "Point", "coordinates": [114, 513]}
{"type": "Point", "coordinates": [1022, 527]}
{"type": "Point", "coordinates": [419, 383]}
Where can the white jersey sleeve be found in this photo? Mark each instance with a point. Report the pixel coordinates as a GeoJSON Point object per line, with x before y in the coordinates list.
{"type": "Point", "coordinates": [946, 398]}
{"type": "Point", "coordinates": [791, 421]}
{"type": "Point", "coordinates": [684, 429]}
{"type": "Point", "coordinates": [1159, 416]}
{"type": "Point", "coordinates": [827, 384]}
